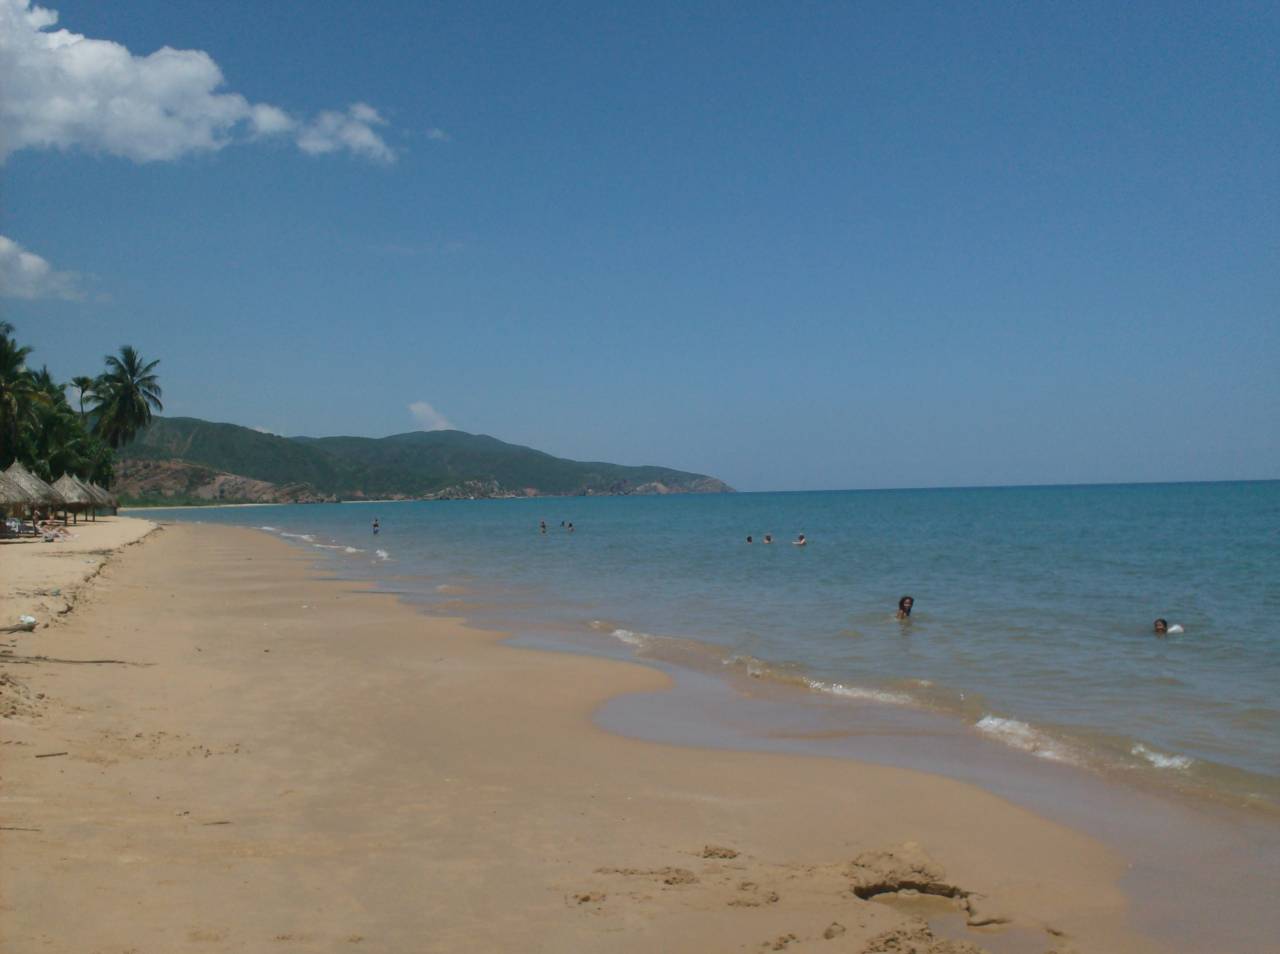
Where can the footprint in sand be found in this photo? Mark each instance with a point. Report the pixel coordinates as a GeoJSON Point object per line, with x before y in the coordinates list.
{"type": "Point", "coordinates": [753, 897]}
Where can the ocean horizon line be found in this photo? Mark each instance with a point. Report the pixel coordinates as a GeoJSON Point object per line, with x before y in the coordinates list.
{"type": "Point", "coordinates": [1030, 486]}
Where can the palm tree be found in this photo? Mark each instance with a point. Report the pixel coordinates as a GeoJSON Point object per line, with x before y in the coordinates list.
{"type": "Point", "coordinates": [17, 394]}
{"type": "Point", "coordinates": [56, 441]}
{"type": "Point", "coordinates": [125, 396]}
{"type": "Point", "coordinates": [84, 387]}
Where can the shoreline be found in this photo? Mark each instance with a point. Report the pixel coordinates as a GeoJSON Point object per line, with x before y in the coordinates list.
{"type": "Point", "coordinates": [1148, 771]}
{"type": "Point", "coordinates": [1211, 746]}
{"type": "Point", "coordinates": [1132, 812]}
{"type": "Point", "coordinates": [457, 761]}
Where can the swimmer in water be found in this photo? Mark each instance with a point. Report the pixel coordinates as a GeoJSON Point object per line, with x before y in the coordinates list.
{"type": "Point", "coordinates": [799, 541]}
{"type": "Point", "coordinates": [768, 538]}
{"type": "Point", "coordinates": [542, 526]}
{"type": "Point", "coordinates": [570, 527]}
{"type": "Point", "coordinates": [376, 528]}
{"type": "Point", "coordinates": [749, 540]}
{"type": "Point", "coordinates": [1162, 627]}
{"type": "Point", "coordinates": [904, 607]}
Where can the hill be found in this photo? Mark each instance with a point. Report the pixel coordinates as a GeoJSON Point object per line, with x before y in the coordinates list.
{"type": "Point", "coordinates": [184, 458]}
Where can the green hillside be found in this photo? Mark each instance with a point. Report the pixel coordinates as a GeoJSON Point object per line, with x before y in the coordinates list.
{"type": "Point", "coordinates": [416, 464]}
{"type": "Point", "coordinates": [239, 450]}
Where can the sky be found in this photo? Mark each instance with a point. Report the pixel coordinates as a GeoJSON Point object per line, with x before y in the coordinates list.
{"type": "Point", "coordinates": [795, 246]}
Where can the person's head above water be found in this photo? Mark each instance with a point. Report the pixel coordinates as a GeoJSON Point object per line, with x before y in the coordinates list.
{"type": "Point", "coordinates": [1161, 626]}
{"type": "Point", "coordinates": [749, 540]}
{"type": "Point", "coordinates": [904, 607]}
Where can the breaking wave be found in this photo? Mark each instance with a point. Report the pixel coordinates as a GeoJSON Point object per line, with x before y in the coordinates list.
{"type": "Point", "coordinates": [860, 692]}
{"type": "Point", "coordinates": [1022, 736]}
{"type": "Point", "coordinates": [1159, 759]}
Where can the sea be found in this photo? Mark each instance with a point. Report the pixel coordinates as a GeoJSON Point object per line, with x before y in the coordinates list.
{"type": "Point", "coordinates": [1032, 626]}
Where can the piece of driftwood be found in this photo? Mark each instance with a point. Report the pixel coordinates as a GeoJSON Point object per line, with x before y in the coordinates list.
{"type": "Point", "coordinates": [15, 828]}
{"type": "Point", "coordinates": [50, 755]}
{"type": "Point", "coordinates": [216, 823]}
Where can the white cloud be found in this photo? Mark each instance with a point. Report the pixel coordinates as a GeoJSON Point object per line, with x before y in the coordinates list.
{"type": "Point", "coordinates": [25, 274]}
{"type": "Point", "coordinates": [61, 90]}
{"type": "Point", "coordinates": [428, 418]}
{"type": "Point", "coordinates": [351, 130]}
{"type": "Point", "coordinates": [435, 134]}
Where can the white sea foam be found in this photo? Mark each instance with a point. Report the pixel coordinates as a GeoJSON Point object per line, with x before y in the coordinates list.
{"type": "Point", "coordinates": [352, 550]}
{"type": "Point", "coordinates": [326, 546]}
{"type": "Point", "coordinates": [299, 536]}
{"type": "Point", "coordinates": [269, 529]}
{"type": "Point", "coordinates": [1159, 759]}
{"type": "Point", "coordinates": [859, 692]}
{"type": "Point", "coordinates": [382, 554]}
{"type": "Point", "coordinates": [1022, 736]}
{"type": "Point", "coordinates": [630, 638]}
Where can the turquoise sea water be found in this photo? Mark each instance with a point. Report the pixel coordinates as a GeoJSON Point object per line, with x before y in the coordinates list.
{"type": "Point", "coordinates": [1033, 606]}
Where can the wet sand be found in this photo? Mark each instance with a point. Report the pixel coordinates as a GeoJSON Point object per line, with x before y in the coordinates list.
{"type": "Point", "coordinates": [276, 761]}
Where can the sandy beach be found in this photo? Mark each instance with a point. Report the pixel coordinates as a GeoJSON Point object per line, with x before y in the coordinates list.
{"type": "Point", "coordinates": [266, 760]}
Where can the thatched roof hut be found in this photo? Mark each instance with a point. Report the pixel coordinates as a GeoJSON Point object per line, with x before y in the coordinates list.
{"type": "Point", "coordinates": [12, 496]}
{"type": "Point", "coordinates": [74, 494]}
{"type": "Point", "coordinates": [77, 494]}
{"type": "Point", "coordinates": [102, 497]}
{"type": "Point", "coordinates": [40, 493]}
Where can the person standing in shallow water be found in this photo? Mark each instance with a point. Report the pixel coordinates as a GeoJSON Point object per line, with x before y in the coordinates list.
{"type": "Point", "coordinates": [542, 526]}
{"type": "Point", "coordinates": [904, 607]}
{"type": "Point", "coordinates": [376, 527]}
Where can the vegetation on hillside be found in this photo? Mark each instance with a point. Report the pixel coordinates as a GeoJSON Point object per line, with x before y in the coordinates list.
{"type": "Point", "coordinates": [109, 425]}
{"type": "Point", "coordinates": [40, 428]}
{"type": "Point", "coordinates": [417, 464]}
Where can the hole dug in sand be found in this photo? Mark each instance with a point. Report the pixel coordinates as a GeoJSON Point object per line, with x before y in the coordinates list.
{"type": "Point", "coordinates": [907, 869]}
{"type": "Point", "coordinates": [944, 915]}
{"type": "Point", "coordinates": [800, 906]}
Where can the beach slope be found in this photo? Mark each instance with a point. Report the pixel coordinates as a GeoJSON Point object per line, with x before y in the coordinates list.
{"type": "Point", "coordinates": [272, 761]}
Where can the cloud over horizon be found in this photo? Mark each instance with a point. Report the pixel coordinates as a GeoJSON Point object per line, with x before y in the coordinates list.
{"type": "Point", "coordinates": [62, 90]}
{"type": "Point", "coordinates": [428, 418]}
{"type": "Point", "coordinates": [26, 275]}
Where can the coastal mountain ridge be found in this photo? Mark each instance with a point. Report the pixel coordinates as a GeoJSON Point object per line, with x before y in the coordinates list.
{"type": "Point", "coordinates": [185, 459]}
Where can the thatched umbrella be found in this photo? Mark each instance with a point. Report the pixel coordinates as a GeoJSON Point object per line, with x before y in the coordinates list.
{"type": "Point", "coordinates": [12, 496]}
{"type": "Point", "coordinates": [40, 494]}
{"type": "Point", "coordinates": [104, 498]}
{"type": "Point", "coordinates": [75, 495]}
{"type": "Point", "coordinates": [101, 498]}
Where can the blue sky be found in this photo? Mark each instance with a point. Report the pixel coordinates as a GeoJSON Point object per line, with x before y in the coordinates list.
{"type": "Point", "coordinates": [792, 245]}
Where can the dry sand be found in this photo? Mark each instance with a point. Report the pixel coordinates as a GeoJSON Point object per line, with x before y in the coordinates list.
{"type": "Point", "coordinates": [42, 579]}
{"type": "Point", "coordinates": [286, 763]}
